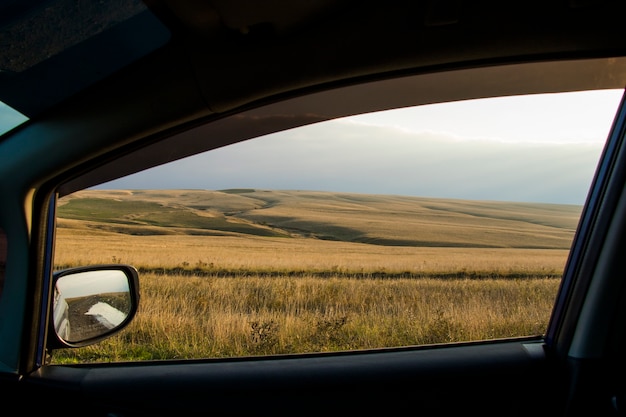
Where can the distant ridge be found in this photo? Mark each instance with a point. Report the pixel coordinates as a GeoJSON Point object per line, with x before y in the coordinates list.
{"type": "Point", "coordinates": [361, 218]}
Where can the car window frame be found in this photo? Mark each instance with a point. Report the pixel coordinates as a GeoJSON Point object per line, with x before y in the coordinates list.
{"type": "Point", "coordinates": [585, 280]}
{"type": "Point", "coordinates": [102, 156]}
{"type": "Point", "coordinates": [230, 122]}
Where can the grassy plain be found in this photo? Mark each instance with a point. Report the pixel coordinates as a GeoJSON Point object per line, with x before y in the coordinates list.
{"type": "Point", "coordinates": [245, 272]}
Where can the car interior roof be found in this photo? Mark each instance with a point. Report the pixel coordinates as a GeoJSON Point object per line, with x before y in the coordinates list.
{"type": "Point", "coordinates": [235, 53]}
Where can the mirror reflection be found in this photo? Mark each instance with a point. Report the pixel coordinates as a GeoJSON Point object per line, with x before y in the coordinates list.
{"type": "Point", "coordinates": [90, 304]}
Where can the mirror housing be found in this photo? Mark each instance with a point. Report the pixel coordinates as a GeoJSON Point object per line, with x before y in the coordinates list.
{"type": "Point", "coordinates": [91, 303]}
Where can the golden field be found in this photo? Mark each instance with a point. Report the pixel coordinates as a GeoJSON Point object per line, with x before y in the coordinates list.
{"type": "Point", "coordinates": [246, 272]}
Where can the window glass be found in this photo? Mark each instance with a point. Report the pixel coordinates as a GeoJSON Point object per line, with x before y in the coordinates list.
{"type": "Point", "coordinates": [436, 224]}
{"type": "Point", "coordinates": [10, 118]}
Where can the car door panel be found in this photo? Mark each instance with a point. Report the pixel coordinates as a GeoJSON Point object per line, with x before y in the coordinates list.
{"type": "Point", "coordinates": [510, 378]}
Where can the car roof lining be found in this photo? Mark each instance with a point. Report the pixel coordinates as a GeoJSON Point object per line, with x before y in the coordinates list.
{"type": "Point", "coordinates": [242, 51]}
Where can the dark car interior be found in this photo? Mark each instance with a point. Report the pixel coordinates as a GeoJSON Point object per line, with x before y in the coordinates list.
{"type": "Point", "coordinates": [115, 87]}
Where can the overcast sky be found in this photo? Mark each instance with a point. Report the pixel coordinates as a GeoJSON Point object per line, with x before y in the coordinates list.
{"type": "Point", "coordinates": [541, 148]}
{"type": "Point", "coordinates": [93, 282]}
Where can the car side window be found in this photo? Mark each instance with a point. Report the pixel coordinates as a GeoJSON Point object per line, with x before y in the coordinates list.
{"type": "Point", "coordinates": [437, 224]}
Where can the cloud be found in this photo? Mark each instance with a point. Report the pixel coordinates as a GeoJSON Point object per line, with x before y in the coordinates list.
{"type": "Point", "coordinates": [350, 157]}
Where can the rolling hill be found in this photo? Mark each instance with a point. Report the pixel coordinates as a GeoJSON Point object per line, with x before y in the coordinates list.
{"type": "Point", "coordinates": [361, 218]}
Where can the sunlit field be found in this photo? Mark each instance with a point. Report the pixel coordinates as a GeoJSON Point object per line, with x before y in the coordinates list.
{"type": "Point", "coordinates": [202, 254]}
{"type": "Point", "coordinates": [192, 317]}
{"type": "Point", "coordinates": [293, 278]}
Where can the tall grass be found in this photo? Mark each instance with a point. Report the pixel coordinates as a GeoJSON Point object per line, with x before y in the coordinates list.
{"type": "Point", "coordinates": [184, 317]}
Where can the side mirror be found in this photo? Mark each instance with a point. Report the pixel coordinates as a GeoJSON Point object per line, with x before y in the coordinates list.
{"type": "Point", "coordinates": [91, 303]}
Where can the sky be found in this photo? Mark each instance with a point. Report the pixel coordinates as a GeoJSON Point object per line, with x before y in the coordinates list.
{"type": "Point", "coordinates": [538, 148]}
{"type": "Point", "coordinates": [92, 282]}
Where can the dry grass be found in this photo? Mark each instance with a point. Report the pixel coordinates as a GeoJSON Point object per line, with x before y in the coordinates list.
{"type": "Point", "coordinates": [223, 293]}
{"type": "Point", "coordinates": [190, 317]}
